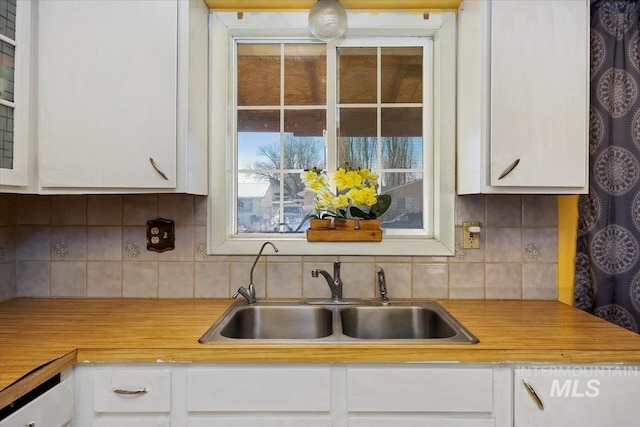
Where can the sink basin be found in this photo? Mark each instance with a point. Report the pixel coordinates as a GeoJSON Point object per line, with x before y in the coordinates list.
{"type": "Point", "coordinates": [279, 322]}
{"type": "Point", "coordinates": [383, 323]}
{"type": "Point", "coordinates": [368, 322]}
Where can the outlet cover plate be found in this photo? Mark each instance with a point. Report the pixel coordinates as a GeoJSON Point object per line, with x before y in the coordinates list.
{"type": "Point", "coordinates": [470, 240]}
{"type": "Point", "coordinates": [161, 235]}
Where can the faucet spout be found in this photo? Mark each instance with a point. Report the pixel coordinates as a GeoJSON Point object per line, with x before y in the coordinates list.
{"type": "Point", "coordinates": [250, 293]}
{"type": "Point", "coordinates": [335, 282]}
{"type": "Point", "coordinates": [382, 284]}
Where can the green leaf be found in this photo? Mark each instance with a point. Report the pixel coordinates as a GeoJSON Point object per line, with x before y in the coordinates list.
{"type": "Point", "coordinates": [381, 206]}
{"type": "Point", "coordinates": [359, 213]}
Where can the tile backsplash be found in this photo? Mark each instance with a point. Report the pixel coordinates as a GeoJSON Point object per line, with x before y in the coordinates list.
{"type": "Point", "coordinates": [94, 246]}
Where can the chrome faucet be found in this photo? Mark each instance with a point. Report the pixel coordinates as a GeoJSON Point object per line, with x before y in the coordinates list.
{"type": "Point", "coordinates": [382, 284]}
{"type": "Point", "coordinates": [335, 282]}
{"type": "Point", "coordinates": [250, 293]}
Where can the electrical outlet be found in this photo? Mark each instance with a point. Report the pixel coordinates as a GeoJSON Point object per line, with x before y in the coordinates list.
{"type": "Point", "coordinates": [161, 235]}
{"type": "Point", "coordinates": [471, 235]}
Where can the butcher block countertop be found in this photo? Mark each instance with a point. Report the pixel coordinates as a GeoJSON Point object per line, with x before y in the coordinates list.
{"type": "Point", "coordinates": [41, 337]}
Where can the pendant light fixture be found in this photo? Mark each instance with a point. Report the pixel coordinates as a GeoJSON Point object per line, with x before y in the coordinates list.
{"type": "Point", "coordinates": [327, 20]}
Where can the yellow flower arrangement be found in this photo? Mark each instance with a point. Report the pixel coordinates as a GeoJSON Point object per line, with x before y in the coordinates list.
{"type": "Point", "coordinates": [355, 195]}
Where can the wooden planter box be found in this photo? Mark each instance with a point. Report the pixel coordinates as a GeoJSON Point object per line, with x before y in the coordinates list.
{"type": "Point", "coordinates": [344, 231]}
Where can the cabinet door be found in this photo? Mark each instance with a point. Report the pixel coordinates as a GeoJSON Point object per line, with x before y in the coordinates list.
{"type": "Point", "coordinates": [577, 396]}
{"type": "Point", "coordinates": [539, 90]}
{"type": "Point", "coordinates": [15, 81]}
{"type": "Point", "coordinates": [107, 93]}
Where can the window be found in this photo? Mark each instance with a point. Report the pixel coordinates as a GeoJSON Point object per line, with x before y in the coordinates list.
{"type": "Point", "coordinates": [383, 98]}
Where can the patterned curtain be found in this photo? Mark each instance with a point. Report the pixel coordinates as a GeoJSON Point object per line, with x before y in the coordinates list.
{"type": "Point", "coordinates": [607, 281]}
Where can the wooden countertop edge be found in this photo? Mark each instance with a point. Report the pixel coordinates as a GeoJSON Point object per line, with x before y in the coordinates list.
{"type": "Point", "coordinates": [354, 354]}
{"type": "Point", "coordinates": [36, 377]}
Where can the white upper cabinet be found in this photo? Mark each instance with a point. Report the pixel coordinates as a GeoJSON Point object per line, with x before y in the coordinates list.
{"type": "Point", "coordinates": [523, 97]}
{"type": "Point", "coordinates": [122, 96]}
{"type": "Point", "coordinates": [15, 85]}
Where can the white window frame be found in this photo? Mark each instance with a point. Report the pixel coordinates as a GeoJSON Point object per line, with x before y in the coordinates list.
{"type": "Point", "coordinates": [18, 175]}
{"type": "Point", "coordinates": [441, 27]}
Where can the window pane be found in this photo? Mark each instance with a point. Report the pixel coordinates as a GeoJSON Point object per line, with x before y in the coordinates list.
{"type": "Point", "coordinates": [8, 18]}
{"type": "Point", "coordinates": [402, 122]}
{"type": "Point", "coordinates": [401, 153]}
{"type": "Point", "coordinates": [305, 74]}
{"type": "Point", "coordinates": [357, 139]}
{"type": "Point", "coordinates": [401, 138]}
{"type": "Point", "coordinates": [7, 55]}
{"type": "Point", "coordinates": [357, 75]}
{"type": "Point", "coordinates": [258, 139]}
{"type": "Point", "coordinates": [406, 191]}
{"type": "Point", "coordinates": [304, 144]}
{"type": "Point", "coordinates": [255, 204]}
{"type": "Point", "coordinates": [258, 74]}
{"type": "Point", "coordinates": [6, 137]}
{"type": "Point", "coordinates": [401, 74]}
{"type": "Point", "coordinates": [290, 212]}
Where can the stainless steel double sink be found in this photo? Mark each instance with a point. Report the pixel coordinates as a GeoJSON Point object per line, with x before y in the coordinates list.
{"type": "Point", "coordinates": [366, 322]}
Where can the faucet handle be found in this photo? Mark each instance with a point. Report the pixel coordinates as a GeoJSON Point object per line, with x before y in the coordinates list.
{"type": "Point", "coordinates": [248, 294]}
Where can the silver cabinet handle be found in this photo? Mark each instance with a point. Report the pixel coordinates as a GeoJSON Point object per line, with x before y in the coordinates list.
{"type": "Point", "coordinates": [155, 166]}
{"type": "Point", "coordinates": [140, 391]}
{"type": "Point", "coordinates": [509, 168]}
{"type": "Point", "coordinates": [533, 394]}
{"type": "Point", "coordinates": [31, 424]}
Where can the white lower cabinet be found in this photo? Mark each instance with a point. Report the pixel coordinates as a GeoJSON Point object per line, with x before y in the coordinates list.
{"type": "Point", "coordinates": [54, 408]}
{"type": "Point", "coordinates": [426, 396]}
{"type": "Point", "coordinates": [123, 395]}
{"type": "Point", "coordinates": [354, 395]}
{"type": "Point", "coordinates": [277, 396]}
{"type": "Point", "coordinates": [262, 421]}
{"type": "Point", "coordinates": [586, 396]}
{"type": "Point", "coordinates": [412, 421]}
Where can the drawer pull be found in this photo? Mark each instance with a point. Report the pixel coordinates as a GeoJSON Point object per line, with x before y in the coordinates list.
{"type": "Point", "coordinates": [533, 394]}
{"type": "Point", "coordinates": [131, 392]}
{"type": "Point", "coordinates": [509, 168]}
{"type": "Point", "coordinates": [31, 424]}
{"type": "Point", "coordinates": [157, 168]}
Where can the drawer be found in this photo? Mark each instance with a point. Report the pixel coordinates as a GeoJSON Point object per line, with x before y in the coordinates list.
{"type": "Point", "coordinates": [271, 389]}
{"type": "Point", "coordinates": [404, 389]}
{"type": "Point", "coordinates": [132, 390]}
{"type": "Point", "coordinates": [131, 422]}
{"type": "Point", "coordinates": [53, 409]}
{"type": "Point", "coordinates": [261, 421]}
{"type": "Point", "coordinates": [418, 422]}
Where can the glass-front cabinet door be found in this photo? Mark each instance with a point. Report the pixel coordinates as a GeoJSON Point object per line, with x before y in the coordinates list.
{"type": "Point", "coordinates": [14, 88]}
